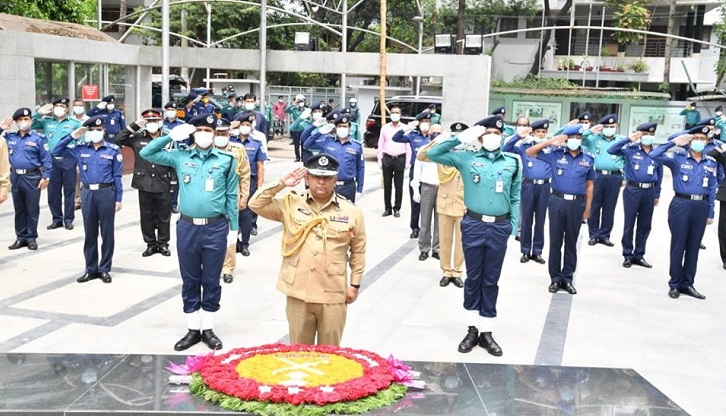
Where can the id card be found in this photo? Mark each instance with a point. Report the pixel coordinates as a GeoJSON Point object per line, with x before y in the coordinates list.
{"type": "Point", "coordinates": [651, 169]}
{"type": "Point", "coordinates": [705, 181]}
{"type": "Point", "coordinates": [499, 188]}
{"type": "Point", "coordinates": [209, 184]}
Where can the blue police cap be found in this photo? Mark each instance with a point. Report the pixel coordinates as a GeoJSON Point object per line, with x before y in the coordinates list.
{"type": "Point", "coordinates": [171, 104]}
{"type": "Point", "coordinates": [343, 118]}
{"type": "Point", "coordinates": [707, 122]}
{"type": "Point", "coordinates": [499, 111]}
{"type": "Point", "coordinates": [719, 108]}
{"type": "Point", "coordinates": [585, 116]}
{"type": "Point", "coordinates": [21, 112]}
{"type": "Point", "coordinates": [346, 110]}
{"type": "Point", "coordinates": [322, 164]}
{"type": "Point", "coordinates": [332, 116]}
{"type": "Point", "coordinates": [491, 122]}
{"type": "Point", "coordinates": [540, 124]}
{"type": "Point", "coordinates": [202, 120]}
{"type": "Point", "coordinates": [458, 127]}
{"type": "Point", "coordinates": [97, 121]}
{"type": "Point", "coordinates": [247, 116]}
{"type": "Point", "coordinates": [108, 98]}
{"type": "Point", "coordinates": [192, 95]}
{"type": "Point", "coordinates": [222, 124]}
{"type": "Point", "coordinates": [608, 119]}
{"type": "Point", "coordinates": [575, 130]}
{"type": "Point", "coordinates": [62, 100]}
{"type": "Point", "coordinates": [230, 96]}
{"type": "Point", "coordinates": [647, 127]}
{"type": "Point", "coordinates": [424, 115]}
{"type": "Point", "coordinates": [699, 130]}
{"type": "Point", "coordinates": [432, 105]}
{"type": "Point", "coordinates": [318, 106]}
{"type": "Point", "coordinates": [151, 113]}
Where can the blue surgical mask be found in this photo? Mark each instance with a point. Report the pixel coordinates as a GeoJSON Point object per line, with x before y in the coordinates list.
{"type": "Point", "coordinates": [647, 140]}
{"type": "Point", "coordinates": [608, 131]}
{"type": "Point", "coordinates": [698, 145]}
{"type": "Point", "coordinates": [574, 144]}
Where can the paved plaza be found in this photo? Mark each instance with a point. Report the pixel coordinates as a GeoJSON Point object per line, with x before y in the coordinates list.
{"type": "Point", "coordinates": [620, 318]}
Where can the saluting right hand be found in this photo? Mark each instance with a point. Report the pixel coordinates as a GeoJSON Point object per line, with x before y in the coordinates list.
{"type": "Point", "coordinates": [597, 129]}
{"type": "Point", "coordinates": [326, 129]}
{"type": "Point", "coordinates": [306, 113]}
{"type": "Point", "coordinates": [181, 132]}
{"type": "Point", "coordinates": [635, 136]}
{"type": "Point", "coordinates": [683, 139]}
{"type": "Point", "coordinates": [293, 178]}
{"type": "Point", "coordinates": [140, 122]}
{"type": "Point", "coordinates": [101, 105]}
{"type": "Point", "coordinates": [412, 124]}
{"type": "Point", "coordinates": [559, 140]}
{"type": "Point", "coordinates": [319, 122]}
{"type": "Point", "coordinates": [46, 109]}
{"type": "Point", "coordinates": [6, 123]}
{"type": "Point", "coordinates": [471, 134]}
{"type": "Point", "coordinates": [79, 132]}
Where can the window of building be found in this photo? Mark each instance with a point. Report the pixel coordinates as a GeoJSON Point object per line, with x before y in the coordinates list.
{"type": "Point", "coordinates": [508, 23]}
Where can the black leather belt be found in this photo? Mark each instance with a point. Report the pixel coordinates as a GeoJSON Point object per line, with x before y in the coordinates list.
{"type": "Point", "coordinates": [567, 197]}
{"type": "Point", "coordinates": [644, 185]}
{"type": "Point", "coordinates": [537, 181]}
{"type": "Point", "coordinates": [394, 157]}
{"type": "Point", "coordinates": [95, 186]}
{"type": "Point", "coordinates": [487, 218]}
{"type": "Point", "coordinates": [25, 171]}
{"type": "Point", "coordinates": [692, 197]}
{"type": "Point", "coordinates": [201, 221]}
{"type": "Point", "coordinates": [345, 182]}
{"type": "Point", "coordinates": [609, 172]}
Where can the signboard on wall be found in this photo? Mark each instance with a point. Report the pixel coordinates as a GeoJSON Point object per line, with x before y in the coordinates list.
{"type": "Point", "coordinates": [538, 110]}
{"type": "Point", "coordinates": [668, 119]}
{"type": "Point", "coordinates": [90, 93]}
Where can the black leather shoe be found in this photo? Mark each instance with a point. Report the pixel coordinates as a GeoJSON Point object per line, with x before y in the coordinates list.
{"type": "Point", "coordinates": [150, 251]}
{"type": "Point", "coordinates": [592, 242]}
{"type": "Point", "coordinates": [569, 288]}
{"type": "Point", "coordinates": [517, 237]}
{"type": "Point", "coordinates": [86, 277]}
{"type": "Point", "coordinates": [253, 231]}
{"type": "Point", "coordinates": [524, 258]}
{"type": "Point", "coordinates": [691, 291]}
{"type": "Point", "coordinates": [435, 255]}
{"type": "Point", "coordinates": [724, 266]}
{"type": "Point", "coordinates": [444, 281]}
{"type": "Point", "coordinates": [606, 242]}
{"type": "Point", "coordinates": [77, 207]}
{"type": "Point", "coordinates": [642, 263]}
{"type": "Point", "coordinates": [105, 277]}
{"type": "Point", "coordinates": [192, 337]}
{"type": "Point", "coordinates": [212, 341]}
{"type": "Point", "coordinates": [32, 245]}
{"type": "Point", "coordinates": [487, 342]}
{"type": "Point", "coordinates": [538, 259]}
{"type": "Point", "coordinates": [627, 263]}
{"type": "Point", "coordinates": [470, 340]}
{"type": "Point", "coordinates": [227, 278]}
{"type": "Point", "coordinates": [554, 287]}
{"type": "Point", "coordinates": [17, 244]}
{"type": "Point", "coordinates": [175, 210]}
{"type": "Point", "coordinates": [386, 214]}
{"type": "Point", "coordinates": [701, 246]}
{"type": "Point", "coordinates": [457, 282]}
{"type": "Point", "coordinates": [423, 256]}
{"type": "Point", "coordinates": [164, 250]}
{"type": "Point", "coordinates": [674, 293]}
{"type": "Point", "coordinates": [245, 250]}
{"type": "Point", "coordinates": [54, 226]}
{"type": "Point", "coordinates": [414, 234]}
{"type": "Point", "coordinates": [69, 226]}
{"type": "Point", "coordinates": [396, 213]}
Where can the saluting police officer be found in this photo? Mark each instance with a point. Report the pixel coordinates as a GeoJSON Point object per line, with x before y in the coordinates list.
{"type": "Point", "coordinates": [692, 208]}
{"type": "Point", "coordinates": [4, 170]}
{"type": "Point", "coordinates": [608, 181]}
{"type": "Point", "coordinates": [30, 169]}
{"type": "Point", "coordinates": [207, 223]}
{"type": "Point", "coordinates": [348, 153]}
{"type": "Point", "coordinates": [322, 234]}
{"type": "Point", "coordinates": [311, 148]}
{"type": "Point", "coordinates": [719, 154]}
{"type": "Point", "coordinates": [54, 121]}
{"type": "Point", "coordinates": [153, 182]}
{"type": "Point", "coordinates": [492, 181]}
{"type": "Point", "coordinates": [311, 115]}
{"type": "Point", "coordinates": [573, 176]}
{"type": "Point", "coordinates": [641, 194]}
{"type": "Point", "coordinates": [100, 166]}
{"type": "Point", "coordinates": [114, 120]}
{"type": "Point", "coordinates": [536, 177]}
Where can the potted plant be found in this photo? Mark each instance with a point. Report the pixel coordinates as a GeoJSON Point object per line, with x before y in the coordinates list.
{"type": "Point", "coordinates": [639, 66]}
{"type": "Point", "coordinates": [620, 67]}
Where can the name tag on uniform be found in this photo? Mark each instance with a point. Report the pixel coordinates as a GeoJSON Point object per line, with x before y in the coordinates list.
{"type": "Point", "coordinates": [109, 157]}
{"type": "Point", "coordinates": [85, 155]}
{"type": "Point", "coordinates": [651, 169]}
{"type": "Point", "coordinates": [705, 181]}
{"type": "Point", "coordinates": [351, 151]}
{"type": "Point", "coordinates": [190, 164]}
{"type": "Point", "coordinates": [31, 144]}
{"type": "Point", "coordinates": [113, 122]}
{"type": "Point", "coordinates": [341, 218]}
{"type": "Point", "coordinates": [143, 143]}
{"type": "Point", "coordinates": [209, 185]}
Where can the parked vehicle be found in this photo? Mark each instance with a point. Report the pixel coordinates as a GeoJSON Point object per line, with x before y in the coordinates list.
{"type": "Point", "coordinates": [410, 105]}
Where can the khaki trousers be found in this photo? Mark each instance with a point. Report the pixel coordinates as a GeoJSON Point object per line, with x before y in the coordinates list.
{"type": "Point", "coordinates": [306, 319]}
{"type": "Point", "coordinates": [450, 236]}
{"type": "Point", "coordinates": [230, 259]}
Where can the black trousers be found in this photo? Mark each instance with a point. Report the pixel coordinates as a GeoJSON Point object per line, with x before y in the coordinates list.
{"type": "Point", "coordinates": [722, 230]}
{"type": "Point", "coordinates": [155, 209]}
{"type": "Point", "coordinates": [393, 170]}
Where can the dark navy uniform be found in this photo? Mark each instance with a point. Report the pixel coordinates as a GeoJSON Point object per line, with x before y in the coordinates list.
{"type": "Point", "coordinates": [101, 188]}
{"type": "Point", "coordinates": [719, 154]}
{"type": "Point", "coordinates": [536, 177]}
{"type": "Point", "coordinates": [416, 140]}
{"type": "Point", "coordinates": [30, 162]}
{"type": "Point", "coordinates": [114, 120]}
{"type": "Point", "coordinates": [695, 185]}
{"type": "Point", "coordinates": [641, 193]}
{"type": "Point", "coordinates": [246, 216]}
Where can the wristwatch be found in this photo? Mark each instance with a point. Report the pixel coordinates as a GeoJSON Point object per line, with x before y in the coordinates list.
{"type": "Point", "coordinates": [355, 286]}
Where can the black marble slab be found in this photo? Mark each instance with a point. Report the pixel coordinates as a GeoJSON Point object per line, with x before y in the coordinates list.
{"type": "Point", "coordinates": [56, 384]}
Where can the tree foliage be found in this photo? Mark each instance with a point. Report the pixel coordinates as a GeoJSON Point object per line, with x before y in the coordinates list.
{"type": "Point", "coordinates": [720, 31]}
{"type": "Point", "coordinates": [629, 15]}
{"type": "Point", "coordinates": [74, 11]}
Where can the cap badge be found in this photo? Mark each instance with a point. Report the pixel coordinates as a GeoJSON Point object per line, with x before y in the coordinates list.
{"type": "Point", "coordinates": [210, 119]}
{"type": "Point", "coordinates": [323, 161]}
{"type": "Point", "coordinates": [499, 123]}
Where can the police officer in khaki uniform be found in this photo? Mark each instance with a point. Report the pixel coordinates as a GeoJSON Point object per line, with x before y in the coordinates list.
{"type": "Point", "coordinates": [322, 235]}
{"type": "Point", "coordinates": [451, 209]}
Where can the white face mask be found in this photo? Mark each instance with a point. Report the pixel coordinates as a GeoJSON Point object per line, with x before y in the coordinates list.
{"type": "Point", "coordinates": [301, 105]}
{"type": "Point", "coordinates": [221, 141]}
{"type": "Point", "coordinates": [25, 125]}
{"type": "Point", "coordinates": [574, 144]}
{"type": "Point", "coordinates": [59, 111]}
{"type": "Point", "coordinates": [234, 132]}
{"type": "Point", "coordinates": [170, 114]}
{"type": "Point", "coordinates": [608, 131]}
{"type": "Point", "coordinates": [395, 117]}
{"type": "Point", "coordinates": [317, 115]}
{"type": "Point", "coordinates": [94, 136]}
{"type": "Point", "coordinates": [249, 106]}
{"type": "Point", "coordinates": [245, 130]}
{"type": "Point", "coordinates": [647, 140]}
{"type": "Point", "coordinates": [341, 132]}
{"type": "Point", "coordinates": [152, 127]}
{"type": "Point", "coordinates": [491, 141]}
{"type": "Point", "coordinates": [203, 139]}
{"type": "Point", "coordinates": [538, 140]}
{"type": "Point", "coordinates": [110, 107]}
{"type": "Point", "coordinates": [521, 131]}
{"type": "Point", "coordinates": [424, 127]}
{"type": "Point", "coordinates": [78, 110]}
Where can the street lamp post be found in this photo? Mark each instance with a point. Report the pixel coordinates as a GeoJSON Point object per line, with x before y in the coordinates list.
{"type": "Point", "coordinates": [419, 19]}
{"type": "Point", "coordinates": [209, 32]}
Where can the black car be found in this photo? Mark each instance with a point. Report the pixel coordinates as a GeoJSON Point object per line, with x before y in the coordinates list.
{"type": "Point", "coordinates": [410, 107]}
